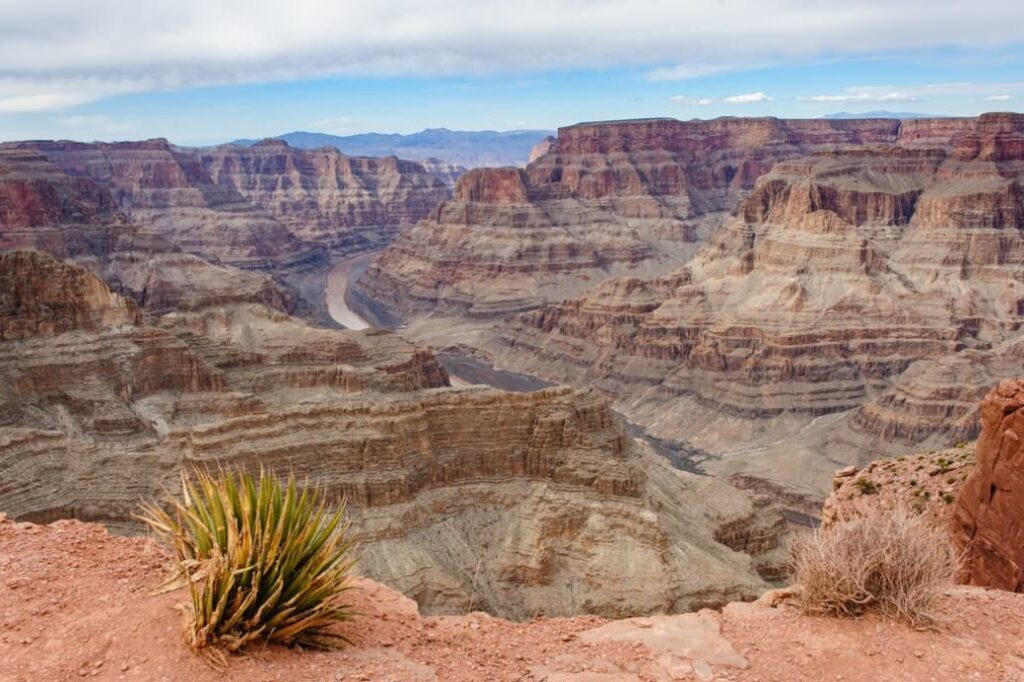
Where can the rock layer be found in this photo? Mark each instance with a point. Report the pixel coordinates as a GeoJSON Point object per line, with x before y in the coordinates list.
{"type": "Point", "coordinates": [167, 190]}
{"type": "Point", "coordinates": [347, 204]}
{"type": "Point", "coordinates": [71, 216]}
{"type": "Point", "coordinates": [625, 197]}
{"type": "Point", "coordinates": [466, 499]}
{"type": "Point", "coordinates": [990, 506]}
{"type": "Point", "coordinates": [853, 281]}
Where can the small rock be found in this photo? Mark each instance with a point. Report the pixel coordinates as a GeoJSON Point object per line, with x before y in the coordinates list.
{"type": "Point", "coordinates": [703, 670]}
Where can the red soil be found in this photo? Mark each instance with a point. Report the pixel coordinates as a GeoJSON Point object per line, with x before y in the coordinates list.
{"type": "Point", "coordinates": [74, 603]}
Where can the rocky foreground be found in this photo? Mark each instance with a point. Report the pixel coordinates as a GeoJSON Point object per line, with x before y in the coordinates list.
{"type": "Point", "coordinates": [75, 603]}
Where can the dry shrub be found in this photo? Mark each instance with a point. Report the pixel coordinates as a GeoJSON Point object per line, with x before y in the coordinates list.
{"type": "Point", "coordinates": [890, 560]}
{"type": "Point", "coordinates": [263, 561]}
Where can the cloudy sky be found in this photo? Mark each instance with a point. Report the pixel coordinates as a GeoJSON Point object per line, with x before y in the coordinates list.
{"type": "Point", "coordinates": [205, 71]}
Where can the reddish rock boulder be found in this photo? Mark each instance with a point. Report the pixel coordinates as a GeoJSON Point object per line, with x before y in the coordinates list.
{"type": "Point", "coordinates": [990, 508]}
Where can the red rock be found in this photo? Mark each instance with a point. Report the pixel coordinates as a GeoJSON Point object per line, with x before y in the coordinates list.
{"type": "Point", "coordinates": [345, 203]}
{"type": "Point", "coordinates": [990, 508]}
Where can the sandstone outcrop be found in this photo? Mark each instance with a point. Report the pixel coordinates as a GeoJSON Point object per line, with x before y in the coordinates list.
{"type": "Point", "coordinates": [990, 507]}
{"type": "Point", "coordinates": [852, 282]}
{"type": "Point", "coordinates": [465, 499]}
{"type": "Point", "coordinates": [347, 204]}
{"type": "Point", "coordinates": [42, 296]}
{"type": "Point", "coordinates": [927, 483]}
{"type": "Point", "coordinates": [632, 198]}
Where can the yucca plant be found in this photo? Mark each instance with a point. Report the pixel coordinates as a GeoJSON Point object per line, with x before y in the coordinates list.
{"type": "Point", "coordinates": [263, 561]}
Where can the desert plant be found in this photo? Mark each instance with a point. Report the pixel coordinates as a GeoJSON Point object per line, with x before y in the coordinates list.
{"type": "Point", "coordinates": [262, 560]}
{"type": "Point", "coordinates": [891, 560]}
{"type": "Point", "coordinates": [866, 486]}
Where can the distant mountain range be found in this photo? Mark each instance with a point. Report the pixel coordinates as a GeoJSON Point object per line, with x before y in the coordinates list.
{"type": "Point", "coordinates": [459, 147]}
{"type": "Point", "coordinates": [882, 114]}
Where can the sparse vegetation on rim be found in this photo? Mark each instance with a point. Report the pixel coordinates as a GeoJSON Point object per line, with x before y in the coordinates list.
{"type": "Point", "coordinates": [890, 559]}
{"type": "Point", "coordinates": [262, 559]}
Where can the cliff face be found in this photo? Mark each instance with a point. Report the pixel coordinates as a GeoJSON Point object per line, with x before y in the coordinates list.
{"type": "Point", "coordinates": [514, 503]}
{"type": "Point", "coordinates": [268, 206]}
{"type": "Point", "coordinates": [41, 207]}
{"type": "Point", "coordinates": [855, 280]}
{"type": "Point", "coordinates": [621, 198]}
{"type": "Point", "coordinates": [42, 296]}
{"type": "Point", "coordinates": [990, 507]}
{"type": "Point", "coordinates": [167, 190]}
{"type": "Point", "coordinates": [73, 216]}
{"type": "Point", "coordinates": [345, 203]}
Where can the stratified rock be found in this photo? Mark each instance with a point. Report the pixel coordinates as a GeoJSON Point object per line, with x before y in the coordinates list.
{"type": "Point", "coordinates": [166, 189]}
{"type": "Point", "coordinates": [615, 198]}
{"type": "Point", "coordinates": [39, 295]}
{"type": "Point", "coordinates": [541, 148]}
{"type": "Point", "coordinates": [990, 507]}
{"type": "Point", "coordinates": [347, 204]}
{"type": "Point", "coordinates": [853, 281]}
{"type": "Point", "coordinates": [517, 503]}
{"type": "Point", "coordinates": [44, 208]}
{"type": "Point", "coordinates": [448, 173]}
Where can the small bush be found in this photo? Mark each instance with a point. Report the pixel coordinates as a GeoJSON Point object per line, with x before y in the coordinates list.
{"type": "Point", "coordinates": [891, 560]}
{"type": "Point", "coordinates": [866, 486]}
{"type": "Point", "coordinates": [262, 561]}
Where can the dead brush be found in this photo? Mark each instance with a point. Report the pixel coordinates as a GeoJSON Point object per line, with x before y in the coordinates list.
{"type": "Point", "coordinates": [890, 560]}
{"type": "Point", "coordinates": [262, 561]}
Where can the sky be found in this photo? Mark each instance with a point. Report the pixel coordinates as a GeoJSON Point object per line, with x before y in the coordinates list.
{"type": "Point", "coordinates": [208, 71]}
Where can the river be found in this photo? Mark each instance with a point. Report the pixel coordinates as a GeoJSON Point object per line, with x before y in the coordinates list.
{"type": "Point", "coordinates": [466, 370]}
{"type": "Point", "coordinates": [341, 274]}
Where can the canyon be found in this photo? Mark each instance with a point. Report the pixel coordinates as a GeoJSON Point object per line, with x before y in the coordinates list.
{"type": "Point", "coordinates": [848, 287]}
{"type": "Point", "coordinates": [515, 503]}
{"type": "Point", "coordinates": [172, 225]}
{"type": "Point", "coordinates": [697, 322]}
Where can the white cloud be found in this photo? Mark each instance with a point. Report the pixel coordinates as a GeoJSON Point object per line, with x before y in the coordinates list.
{"type": "Point", "coordinates": [749, 98]}
{"type": "Point", "coordinates": [862, 97]}
{"type": "Point", "coordinates": [26, 94]}
{"type": "Point", "coordinates": [915, 93]}
{"type": "Point", "coordinates": [65, 53]}
{"type": "Point", "coordinates": [689, 71]}
{"type": "Point", "coordinates": [701, 101]}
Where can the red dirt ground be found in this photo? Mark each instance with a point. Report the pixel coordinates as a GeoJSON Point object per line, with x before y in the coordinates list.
{"type": "Point", "coordinates": [74, 603]}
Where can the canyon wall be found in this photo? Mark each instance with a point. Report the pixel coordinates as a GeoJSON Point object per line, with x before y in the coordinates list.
{"type": "Point", "coordinates": [465, 499]}
{"type": "Point", "coordinates": [72, 216]}
{"type": "Point", "coordinates": [347, 204]}
{"type": "Point", "coordinates": [863, 288]}
{"type": "Point", "coordinates": [175, 226]}
{"type": "Point", "coordinates": [267, 207]}
{"type": "Point", "coordinates": [629, 198]}
{"type": "Point", "coordinates": [167, 190]}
